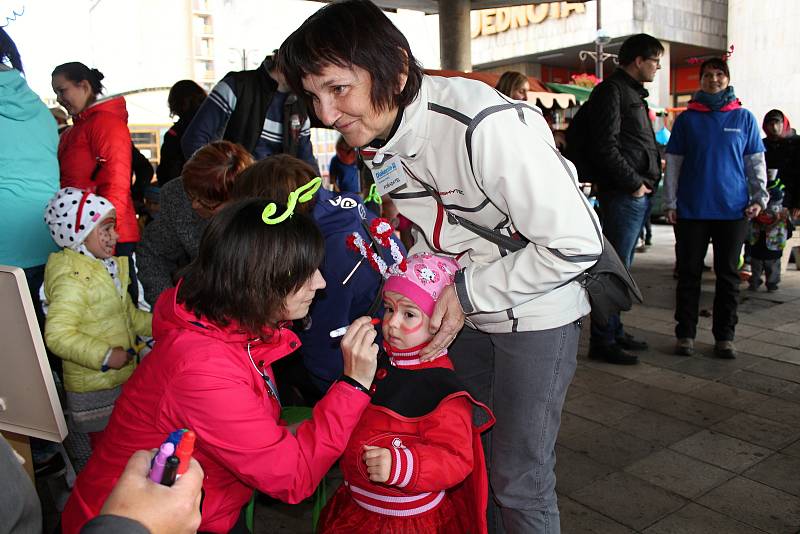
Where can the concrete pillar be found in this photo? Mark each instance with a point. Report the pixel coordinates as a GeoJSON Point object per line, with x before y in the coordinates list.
{"type": "Point", "coordinates": [454, 35]}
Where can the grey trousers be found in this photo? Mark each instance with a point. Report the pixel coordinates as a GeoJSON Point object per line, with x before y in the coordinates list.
{"type": "Point", "coordinates": [523, 377]}
{"type": "Point", "coordinates": [770, 268]}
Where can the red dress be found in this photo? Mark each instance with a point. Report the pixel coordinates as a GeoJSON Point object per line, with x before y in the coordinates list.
{"type": "Point", "coordinates": [422, 414]}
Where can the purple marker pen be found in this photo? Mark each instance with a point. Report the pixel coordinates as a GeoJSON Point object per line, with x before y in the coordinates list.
{"type": "Point", "coordinates": [157, 469]}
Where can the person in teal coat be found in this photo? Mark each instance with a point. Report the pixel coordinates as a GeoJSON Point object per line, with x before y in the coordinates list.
{"type": "Point", "coordinates": [28, 169]}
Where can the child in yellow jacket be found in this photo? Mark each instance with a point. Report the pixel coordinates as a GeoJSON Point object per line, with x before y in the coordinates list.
{"type": "Point", "coordinates": [92, 323]}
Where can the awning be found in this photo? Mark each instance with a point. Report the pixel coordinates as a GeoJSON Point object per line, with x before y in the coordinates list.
{"type": "Point", "coordinates": [551, 100]}
{"type": "Point", "coordinates": [539, 94]}
{"type": "Point", "coordinates": [581, 93]}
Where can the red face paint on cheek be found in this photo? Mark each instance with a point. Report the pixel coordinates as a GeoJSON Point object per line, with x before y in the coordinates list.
{"type": "Point", "coordinates": [411, 329]}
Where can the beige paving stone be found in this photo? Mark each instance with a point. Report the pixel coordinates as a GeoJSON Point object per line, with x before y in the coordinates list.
{"type": "Point", "coordinates": [672, 381]}
{"type": "Point", "coordinates": [595, 379]}
{"type": "Point", "coordinates": [572, 425]}
{"type": "Point", "coordinates": [578, 519]}
{"type": "Point", "coordinates": [785, 339]}
{"type": "Point", "coordinates": [625, 371]}
{"type": "Point", "coordinates": [609, 446]}
{"type": "Point", "coordinates": [728, 395]}
{"type": "Point", "coordinates": [768, 385]}
{"type": "Point", "coordinates": [629, 500]}
{"type": "Point", "coordinates": [575, 470]}
{"type": "Point", "coordinates": [756, 504]}
{"type": "Point", "coordinates": [758, 430]}
{"type": "Point", "coordinates": [779, 471]}
{"type": "Point", "coordinates": [694, 411]}
{"type": "Point", "coordinates": [759, 348]}
{"type": "Point", "coordinates": [721, 450]}
{"type": "Point", "coordinates": [679, 473]}
{"type": "Point", "coordinates": [778, 410]}
{"type": "Point", "coordinates": [793, 449]}
{"type": "Point", "coordinates": [777, 369]}
{"type": "Point", "coordinates": [791, 328]}
{"type": "Point", "coordinates": [696, 519]}
{"type": "Point", "coordinates": [655, 427]}
{"type": "Point", "coordinates": [600, 408]}
{"type": "Point", "coordinates": [789, 356]}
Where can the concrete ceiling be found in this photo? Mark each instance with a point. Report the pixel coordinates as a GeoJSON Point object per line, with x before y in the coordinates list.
{"type": "Point", "coordinates": [431, 7]}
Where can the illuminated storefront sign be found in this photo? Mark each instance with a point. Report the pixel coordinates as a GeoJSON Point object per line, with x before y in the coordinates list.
{"type": "Point", "coordinates": [501, 19]}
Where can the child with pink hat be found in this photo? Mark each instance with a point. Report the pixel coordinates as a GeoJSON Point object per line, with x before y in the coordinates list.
{"type": "Point", "coordinates": [415, 461]}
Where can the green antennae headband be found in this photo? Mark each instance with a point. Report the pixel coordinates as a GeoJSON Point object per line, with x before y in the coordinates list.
{"type": "Point", "coordinates": [301, 194]}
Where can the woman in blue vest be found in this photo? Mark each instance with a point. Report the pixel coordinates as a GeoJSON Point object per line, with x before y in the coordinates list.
{"type": "Point", "coordinates": [715, 182]}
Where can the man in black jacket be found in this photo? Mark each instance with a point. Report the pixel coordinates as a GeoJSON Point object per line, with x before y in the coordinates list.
{"type": "Point", "coordinates": [623, 161]}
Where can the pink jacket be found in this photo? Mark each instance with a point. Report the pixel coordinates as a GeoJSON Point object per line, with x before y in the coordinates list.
{"type": "Point", "coordinates": [199, 376]}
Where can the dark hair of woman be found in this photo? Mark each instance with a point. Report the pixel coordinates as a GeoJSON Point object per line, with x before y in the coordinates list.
{"type": "Point", "coordinates": [185, 98]}
{"type": "Point", "coordinates": [245, 268]}
{"type": "Point", "coordinates": [715, 63]}
{"type": "Point", "coordinates": [509, 81]}
{"type": "Point", "coordinates": [76, 72]}
{"type": "Point", "coordinates": [353, 32]}
{"type": "Point", "coordinates": [8, 51]}
{"type": "Point", "coordinates": [275, 177]}
{"type": "Point", "coordinates": [211, 171]}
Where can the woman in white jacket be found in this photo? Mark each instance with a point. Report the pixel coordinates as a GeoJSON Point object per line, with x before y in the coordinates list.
{"type": "Point", "coordinates": [442, 147]}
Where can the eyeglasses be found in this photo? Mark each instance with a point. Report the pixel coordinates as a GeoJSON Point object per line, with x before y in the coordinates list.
{"type": "Point", "coordinates": [656, 60]}
{"type": "Point", "coordinates": [210, 206]}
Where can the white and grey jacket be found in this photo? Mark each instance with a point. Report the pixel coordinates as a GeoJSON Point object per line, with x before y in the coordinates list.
{"type": "Point", "coordinates": [493, 162]}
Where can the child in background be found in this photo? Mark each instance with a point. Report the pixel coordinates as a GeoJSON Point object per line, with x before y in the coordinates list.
{"type": "Point", "coordinates": [344, 168]}
{"type": "Point", "coordinates": [414, 462]}
{"type": "Point", "coordinates": [91, 323]}
{"type": "Point", "coordinates": [767, 237]}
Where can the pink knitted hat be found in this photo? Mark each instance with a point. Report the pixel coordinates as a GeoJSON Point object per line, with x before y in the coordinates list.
{"type": "Point", "coordinates": [424, 280]}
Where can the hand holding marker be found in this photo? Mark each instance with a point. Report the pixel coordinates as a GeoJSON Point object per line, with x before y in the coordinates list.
{"type": "Point", "coordinates": [339, 332]}
{"type": "Point", "coordinates": [173, 457]}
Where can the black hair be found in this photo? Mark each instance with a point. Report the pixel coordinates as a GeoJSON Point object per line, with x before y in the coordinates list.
{"type": "Point", "coordinates": [245, 268]}
{"type": "Point", "coordinates": [8, 50]}
{"type": "Point", "coordinates": [185, 98]}
{"type": "Point", "coordinates": [353, 32]}
{"type": "Point", "coordinates": [639, 45]}
{"type": "Point", "coordinates": [715, 63]}
{"type": "Point", "coordinates": [76, 72]}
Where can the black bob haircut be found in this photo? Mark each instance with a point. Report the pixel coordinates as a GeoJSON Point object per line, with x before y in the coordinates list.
{"type": "Point", "coordinates": [353, 32]}
{"type": "Point", "coordinates": [245, 268]}
{"type": "Point", "coordinates": [639, 45]}
{"type": "Point", "coordinates": [715, 63]}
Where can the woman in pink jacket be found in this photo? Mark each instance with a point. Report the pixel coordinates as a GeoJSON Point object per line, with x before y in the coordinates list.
{"type": "Point", "coordinates": [95, 153]}
{"type": "Point", "coordinates": [217, 334]}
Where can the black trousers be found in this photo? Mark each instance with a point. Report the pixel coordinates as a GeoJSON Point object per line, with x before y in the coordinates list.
{"type": "Point", "coordinates": [727, 238]}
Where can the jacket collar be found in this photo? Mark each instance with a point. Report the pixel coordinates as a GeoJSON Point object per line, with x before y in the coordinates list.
{"type": "Point", "coordinates": [626, 78]}
{"type": "Point", "coordinates": [277, 342]}
{"type": "Point", "coordinates": [411, 133]}
{"type": "Point", "coordinates": [114, 105]}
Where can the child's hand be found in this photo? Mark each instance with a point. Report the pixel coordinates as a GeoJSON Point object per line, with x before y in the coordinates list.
{"type": "Point", "coordinates": [379, 463]}
{"type": "Point", "coordinates": [119, 358]}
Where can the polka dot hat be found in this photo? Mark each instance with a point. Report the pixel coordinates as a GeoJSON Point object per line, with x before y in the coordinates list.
{"type": "Point", "coordinates": [72, 215]}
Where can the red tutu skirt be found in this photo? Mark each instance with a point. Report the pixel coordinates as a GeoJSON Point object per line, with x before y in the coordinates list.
{"type": "Point", "coordinates": [342, 515]}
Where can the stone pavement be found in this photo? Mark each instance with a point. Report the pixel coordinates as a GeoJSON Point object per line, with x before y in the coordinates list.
{"type": "Point", "coordinates": [675, 445]}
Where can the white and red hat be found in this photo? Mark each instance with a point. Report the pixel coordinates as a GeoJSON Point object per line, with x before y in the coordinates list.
{"type": "Point", "coordinates": [424, 279]}
{"type": "Point", "coordinates": [72, 215]}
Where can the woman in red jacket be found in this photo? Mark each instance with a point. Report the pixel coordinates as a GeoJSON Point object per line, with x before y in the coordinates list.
{"type": "Point", "coordinates": [217, 335]}
{"type": "Point", "coordinates": [95, 154]}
